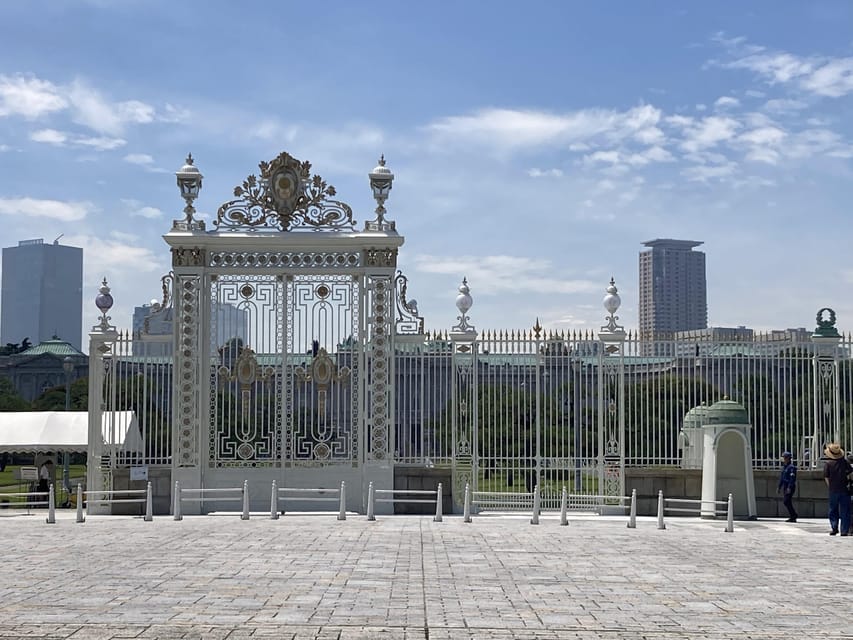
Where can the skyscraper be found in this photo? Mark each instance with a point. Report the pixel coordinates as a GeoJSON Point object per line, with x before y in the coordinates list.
{"type": "Point", "coordinates": [673, 294]}
{"type": "Point", "coordinates": [42, 293]}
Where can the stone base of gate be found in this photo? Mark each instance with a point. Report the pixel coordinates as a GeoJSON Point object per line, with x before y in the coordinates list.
{"type": "Point", "coordinates": [161, 491]}
{"type": "Point", "coordinates": [424, 479]}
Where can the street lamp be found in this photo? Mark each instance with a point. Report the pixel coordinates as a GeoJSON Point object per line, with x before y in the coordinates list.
{"type": "Point", "coordinates": [68, 367]}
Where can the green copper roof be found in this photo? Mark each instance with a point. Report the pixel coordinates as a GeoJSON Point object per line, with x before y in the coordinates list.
{"type": "Point", "coordinates": [55, 347]}
{"type": "Point", "coordinates": [695, 418]}
{"type": "Point", "coordinates": [726, 412]}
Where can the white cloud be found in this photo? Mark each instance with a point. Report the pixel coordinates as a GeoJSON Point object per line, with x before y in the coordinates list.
{"type": "Point", "coordinates": [708, 132]}
{"type": "Point", "coordinates": [727, 102]}
{"type": "Point", "coordinates": [101, 143]}
{"type": "Point", "coordinates": [142, 159]}
{"type": "Point", "coordinates": [512, 128]}
{"type": "Point", "coordinates": [55, 209]}
{"type": "Point", "coordinates": [92, 110]}
{"type": "Point", "coordinates": [784, 105]}
{"type": "Point", "coordinates": [544, 173]}
{"type": "Point", "coordinates": [148, 212]}
{"type": "Point", "coordinates": [820, 75]}
{"type": "Point", "coordinates": [833, 79]}
{"type": "Point", "coordinates": [61, 138]}
{"type": "Point", "coordinates": [704, 173]}
{"type": "Point", "coordinates": [29, 97]}
{"type": "Point", "coordinates": [498, 274]}
{"type": "Point", "coordinates": [49, 136]}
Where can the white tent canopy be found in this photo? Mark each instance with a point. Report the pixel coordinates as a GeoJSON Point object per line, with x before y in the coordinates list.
{"type": "Point", "coordinates": [61, 431]}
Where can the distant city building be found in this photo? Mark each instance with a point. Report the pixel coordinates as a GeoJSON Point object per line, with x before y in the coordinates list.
{"type": "Point", "coordinates": [152, 328]}
{"type": "Point", "coordinates": [673, 292]}
{"type": "Point", "coordinates": [42, 293]}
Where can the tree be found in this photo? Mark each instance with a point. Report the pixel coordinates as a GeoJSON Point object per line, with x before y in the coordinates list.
{"type": "Point", "coordinates": [53, 399]}
{"type": "Point", "coordinates": [10, 399]}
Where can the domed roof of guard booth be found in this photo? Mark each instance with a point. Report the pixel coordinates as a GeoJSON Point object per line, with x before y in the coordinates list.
{"type": "Point", "coordinates": [695, 418]}
{"type": "Point", "coordinates": [726, 412]}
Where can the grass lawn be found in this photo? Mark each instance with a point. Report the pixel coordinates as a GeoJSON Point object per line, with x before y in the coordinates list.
{"type": "Point", "coordinates": [8, 483]}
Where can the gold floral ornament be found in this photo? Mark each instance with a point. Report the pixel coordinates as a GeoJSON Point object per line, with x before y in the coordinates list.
{"type": "Point", "coordinates": [285, 197]}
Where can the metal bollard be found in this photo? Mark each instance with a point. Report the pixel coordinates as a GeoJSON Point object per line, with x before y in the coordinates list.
{"type": "Point", "coordinates": [245, 514]}
{"type": "Point", "coordinates": [564, 508]}
{"type": "Point", "coordinates": [661, 524]}
{"type": "Point", "coordinates": [149, 506]}
{"type": "Point", "coordinates": [51, 506]}
{"type": "Point", "coordinates": [730, 516]}
{"type": "Point", "coordinates": [176, 501]}
{"type": "Point", "coordinates": [274, 501]}
{"type": "Point", "coordinates": [370, 514]}
{"type": "Point", "coordinates": [466, 509]}
{"type": "Point", "coordinates": [80, 517]}
{"type": "Point", "coordinates": [535, 518]}
{"type": "Point", "coordinates": [342, 511]}
{"type": "Point", "coordinates": [438, 492]}
{"type": "Point", "coordinates": [632, 518]}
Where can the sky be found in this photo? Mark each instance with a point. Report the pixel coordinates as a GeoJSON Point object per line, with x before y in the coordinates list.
{"type": "Point", "coordinates": [535, 146]}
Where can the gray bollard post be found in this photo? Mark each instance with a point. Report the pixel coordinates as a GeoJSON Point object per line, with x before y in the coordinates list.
{"type": "Point", "coordinates": [564, 508]}
{"type": "Point", "coordinates": [51, 506]}
{"type": "Point", "coordinates": [245, 514]}
{"type": "Point", "coordinates": [370, 514]}
{"type": "Point", "coordinates": [149, 504]}
{"type": "Point", "coordinates": [274, 501]}
{"type": "Point", "coordinates": [176, 501]}
{"type": "Point", "coordinates": [730, 515]}
{"type": "Point", "coordinates": [342, 510]}
{"type": "Point", "coordinates": [466, 508]}
{"type": "Point", "coordinates": [661, 524]}
{"type": "Point", "coordinates": [80, 517]}
{"type": "Point", "coordinates": [535, 518]}
{"type": "Point", "coordinates": [632, 517]}
{"type": "Point", "coordinates": [438, 492]}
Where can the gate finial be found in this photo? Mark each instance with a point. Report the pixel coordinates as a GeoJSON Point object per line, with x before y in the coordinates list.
{"type": "Point", "coordinates": [381, 180]}
{"type": "Point", "coordinates": [189, 182]}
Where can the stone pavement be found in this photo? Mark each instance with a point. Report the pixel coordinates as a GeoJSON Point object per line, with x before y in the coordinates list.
{"type": "Point", "coordinates": [311, 576]}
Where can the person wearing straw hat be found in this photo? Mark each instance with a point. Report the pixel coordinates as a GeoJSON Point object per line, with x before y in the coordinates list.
{"type": "Point", "coordinates": [835, 472]}
{"type": "Point", "coordinates": [788, 485]}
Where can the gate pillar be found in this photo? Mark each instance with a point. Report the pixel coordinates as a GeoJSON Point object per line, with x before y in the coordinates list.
{"type": "Point", "coordinates": [101, 342]}
{"type": "Point", "coordinates": [827, 408]}
{"type": "Point", "coordinates": [464, 399]}
{"type": "Point", "coordinates": [611, 403]}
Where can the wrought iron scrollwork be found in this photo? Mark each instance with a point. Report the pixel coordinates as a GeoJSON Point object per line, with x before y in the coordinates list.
{"type": "Point", "coordinates": [407, 320]}
{"type": "Point", "coordinates": [285, 196]}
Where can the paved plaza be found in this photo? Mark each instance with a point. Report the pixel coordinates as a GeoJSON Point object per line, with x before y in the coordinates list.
{"type": "Point", "coordinates": [312, 576]}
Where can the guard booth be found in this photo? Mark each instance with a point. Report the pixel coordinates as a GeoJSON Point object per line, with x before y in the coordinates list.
{"type": "Point", "coordinates": [727, 460]}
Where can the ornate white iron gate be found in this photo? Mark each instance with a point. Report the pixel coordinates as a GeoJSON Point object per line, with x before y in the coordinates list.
{"type": "Point", "coordinates": [284, 337]}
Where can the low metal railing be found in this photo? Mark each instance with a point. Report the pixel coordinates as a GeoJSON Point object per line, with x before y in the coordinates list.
{"type": "Point", "coordinates": [533, 502]}
{"type": "Point", "coordinates": [419, 497]}
{"type": "Point", "coordinates": [278, 495]}
{"type": "Point", "coordinates": [222, 494]}
{"type": "Point", "coordinates": [698, 507]}
{"type": "Point", "coordinates": [114, 496]}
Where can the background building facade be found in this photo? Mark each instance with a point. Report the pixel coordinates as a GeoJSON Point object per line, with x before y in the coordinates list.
{"type": "Point", "coordinates": [42, 289]}
{"type": "Point", "coordinates": [673, 291]}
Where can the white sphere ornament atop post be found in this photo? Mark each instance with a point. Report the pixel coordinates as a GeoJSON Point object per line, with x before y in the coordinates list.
{"type": "Point", "coordinates": [611, 302]}
{"type": "Point", "coordinates": [189, 182]}
{"type": "Point", "coordinates": [381, 181]}
{"type": "Point", "coordinates": [464, 303]}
